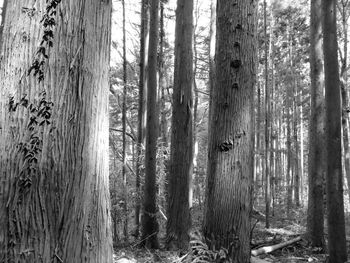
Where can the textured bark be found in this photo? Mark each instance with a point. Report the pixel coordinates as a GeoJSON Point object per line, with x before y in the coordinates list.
{"type": "Point", "coordinates": [141, 122]}
{"type": "Point", "coordinates": [150, 226]}
{"type": "Point", "coordinates": [335, 202]}
{"type": "Point", "coordinates": [62, 213]}
{"type": "Point", "coordinates": [181, 156]}
{"type": "Point", "coordinates": [231, 141]}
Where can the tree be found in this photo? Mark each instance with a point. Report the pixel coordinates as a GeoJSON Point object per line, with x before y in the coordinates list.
{"type": "Point", "coordinates": [141, 123]}
{"type": "Point", "coordinates": [267, 124]}
{"type": "Point", "coordinates": [149, 224]}
{"type": "Point", "coordinates": [181, 156]}
{"type": "Point", "coordinates": [231, 141]}
{"type": "Point", "coordinates": [54, 202]}
{"type": "Point", "coordinates": [334, 186]}
{"type": "Point", "coordinates": [125, 84]}
{"type": "Point", "coordinates": [315, 216]}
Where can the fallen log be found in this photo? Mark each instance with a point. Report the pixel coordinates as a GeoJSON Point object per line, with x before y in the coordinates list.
{"type": "Point", "coordinates": [258, 260]}
{"type": "Point", "coordinates": [268, 249]}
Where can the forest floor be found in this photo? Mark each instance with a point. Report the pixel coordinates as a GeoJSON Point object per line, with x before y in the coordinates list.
{"type": "Point", "coordinates": [282, 229]}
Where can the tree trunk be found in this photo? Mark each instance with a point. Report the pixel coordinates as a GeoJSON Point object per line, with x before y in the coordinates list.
{"type": "Point", "coordinates": [302, 184]}
{"type": "Point", "coordinates": [289, 97]}
{"type": "Point", "coordinates": [141, 122]}
{"type": "Point", "coordinates": [335, 202]}
{"type": "Point", "coordinates": [231, 141]}
{"type": "Point", "coordinates": [267, 124]}
{"type": "Point", "coordinates": [181, 156]}
{"type": "Point", "coordinates": [258, 169]}
{"type": "Point", "coordinates": [54, 204]}
{"type": "Point", "coordinates": [317, 158]}
{"type": "Point", "coordinates": [149, 222]}
{"type": "Point", "coordinates": [296, 144]}
{"type": "Point", "coordinates": [125, 189]}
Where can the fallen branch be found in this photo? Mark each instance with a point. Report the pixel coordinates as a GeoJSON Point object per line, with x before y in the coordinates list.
{"type": "Point", "coordinates": [268, 249]}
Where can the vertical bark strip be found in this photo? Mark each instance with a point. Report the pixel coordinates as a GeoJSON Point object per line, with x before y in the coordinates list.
{"type": "Point", "coordinates": [150, 224]}
{"type": "Point", "coordinates": [335, 202]}
{"type": "Point", "coordinates": [181, 156]}
{"type": "Point", "coordinates": [62, 214]}
{"type": "Point", "coordinates": [231, 141]}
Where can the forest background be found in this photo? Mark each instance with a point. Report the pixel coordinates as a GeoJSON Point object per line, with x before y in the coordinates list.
{"type": "Point", "coordinates": [282, 113]}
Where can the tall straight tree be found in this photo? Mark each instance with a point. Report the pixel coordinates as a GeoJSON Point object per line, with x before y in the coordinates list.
{"type": "Point", "coordinates": [150, 224]}
{"type": "Point", "coordinates": [267, 123]}
{"type": "Point", "coordinates": [315, 215]}
{"type": "Point", "coordinates": [181, 156]}
{"type": "Point", "coordinates": [231, 141]}
{"type": "Point", "coordinates": [54, 199]}
{"type": "Point", "coordinates": [125, 84]}
{"type": "Point", "coordinates": [141, 122]}
{"type": "Point", "coordinates": [335, 202]}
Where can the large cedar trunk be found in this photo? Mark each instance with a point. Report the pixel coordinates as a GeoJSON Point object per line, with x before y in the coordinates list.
{"type": "Point", "coordinates": [231, 141]}
{"type": "Point", "coordinates": [315, 216]}
{"type": "Point", "coordinates": [54, 204]}
{"type": "Point", "coordinates": [178, 224]}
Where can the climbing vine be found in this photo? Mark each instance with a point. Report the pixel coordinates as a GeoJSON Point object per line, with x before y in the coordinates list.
{"type": "Point", "coordinates": [39, 116]}
{"type": "Point", "coordinates": [48, 21]}
{"type": "Point", "coordinates": [39, 111]}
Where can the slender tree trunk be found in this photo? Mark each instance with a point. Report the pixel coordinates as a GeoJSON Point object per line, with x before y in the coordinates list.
{"type": "Point", "coordinates": [231, 141]}
{"type": "Point", "coordinates": [335, 202]}
{"type": "Point", "coordinates": [141, 122]}
{"type": "Point", "coordinates": [302, 179]}
{"type": "Point", "coordinates": [258, 169]}
{"type": "Point", "coordinates": [54, 203]}
{"type": "Point", "coordinates": [267, 124]}
{"type": "Point", "coordinates": [272, 119]}
{"type": "Point", "coordinates": [289, 95]}
{"type": "Point", "coordinates": [296, 145]}
{"type": "Point", "coordinates": [150, 223]}
{"type": "Point", "coordinates": [181, 156]}
{"type": "Point", "coordinates": [125, 189]}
